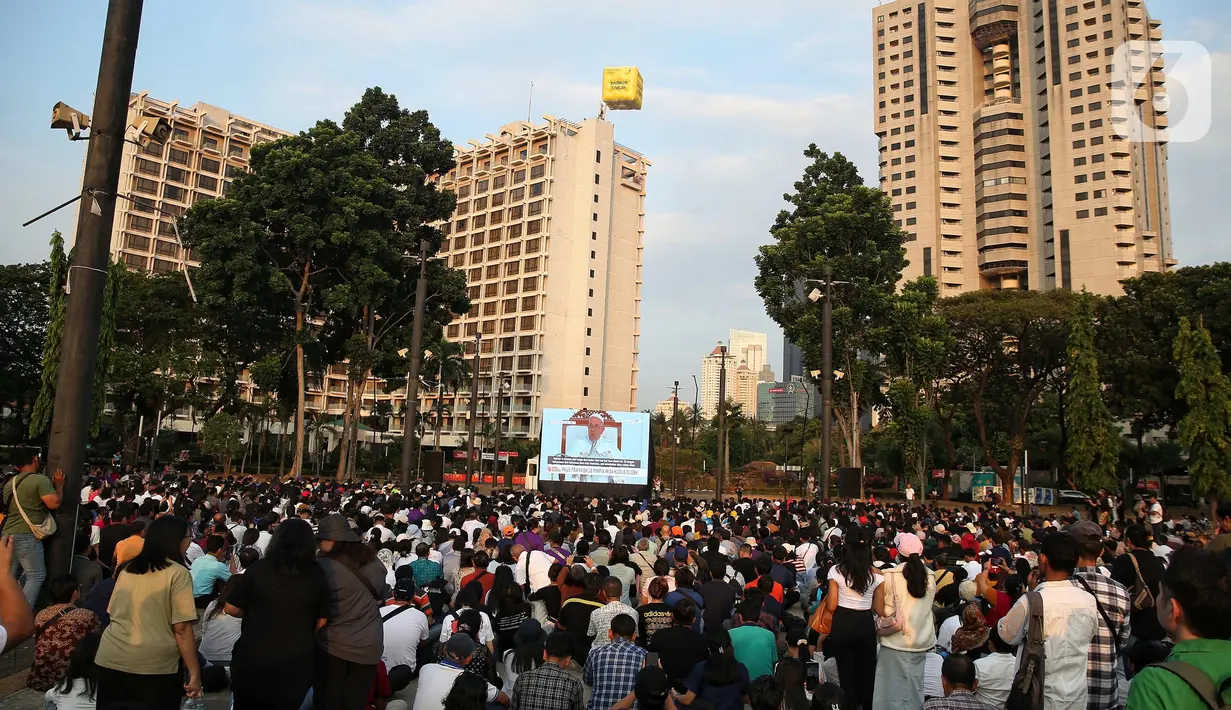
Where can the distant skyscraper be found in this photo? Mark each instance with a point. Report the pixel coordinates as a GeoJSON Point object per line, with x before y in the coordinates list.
{"type": "Point", "coordinates": [1003, 145]}
{"type": "Point", "coordinates": [781, 402]}
{"type": "Point", "coordinates": [711, 369]}
{"type": "Point", "coordinates": [766, 374]}
{"type": "Point", "coordinates": [792, 360]}
{"type": "Point", "coordinates": [750, 347]}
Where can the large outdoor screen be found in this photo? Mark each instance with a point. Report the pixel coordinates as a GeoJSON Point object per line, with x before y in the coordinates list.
{"type": "Point", "coordinates": [595, 446]}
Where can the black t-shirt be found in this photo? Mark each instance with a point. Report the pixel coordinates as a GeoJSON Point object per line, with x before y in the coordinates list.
{"type": "Point", "coordinates": [719, 600]}
{"type": "Point", "coordinates": [505, 624]}
{"type": "Point", "coordinates": [716, 561]}
{"type": "Point", "coordinates": [653, 617]}
{"type": "Point", "coordinates": [746, 567]}
{"type": "Point", "coordinates": [679, 649]}
{"type": "Point", "coordinates": [1144, 624]}
{"type": "Point", "coordinates": [108, 538]}
{"type": "Point", "coordinates": [280, 614]}
{"type": "Point", "coordinates": [575, 618]}
{"type": "Point", "coordinates": [550, 596]}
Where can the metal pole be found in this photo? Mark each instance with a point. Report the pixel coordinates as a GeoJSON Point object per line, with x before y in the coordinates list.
{"type": "Point", "coordinates": [440, 375]}
{"type": "Point", "coordinates": [722, 422]}
{"type": "Point", "coordinates": [410, 421]}
{"type": "Point", "coordinates": [499, 413]}
{"type": "Point", "coordinates": [474, 409]}
{"type": "Point", "coordinates": [675, 424]}
{"type": "Point", "coordinates": [87, 275]}
{"type": "Point", "coordinates": [696, 405]}
{"type": "Point", "coordinates": [803, 438]}
{"type": "Point", "coordinates": [154, 440]}
{"type": "Point", "coordinates": [827, 379]}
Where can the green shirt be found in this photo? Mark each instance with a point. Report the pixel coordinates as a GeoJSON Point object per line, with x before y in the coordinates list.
{"type": "Point", "coordinates": [31, 488]}
{"type": "Point", "coordinates": [755, 647]}
{"type": "Point", "coordinates": [1155, 688]}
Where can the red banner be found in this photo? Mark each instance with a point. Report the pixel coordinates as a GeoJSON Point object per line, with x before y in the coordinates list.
{"type": "Point", "coordinates": [518, 479]}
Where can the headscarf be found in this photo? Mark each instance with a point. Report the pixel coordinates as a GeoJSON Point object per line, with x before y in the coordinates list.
{"type": "Point", "coordinates": [973, 632]}
{"type": "Point", "coordinates": [385, 555]}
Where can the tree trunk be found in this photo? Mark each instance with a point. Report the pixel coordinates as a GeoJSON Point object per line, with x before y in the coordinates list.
{"type": "Point", "coordinates": [356, 424]}
{"type": "Point", "coordinates": [300, 305]}
{"type": "Point", "coordinates": [344, 439]}
{"type": "Point", "coordinates": [281, 447]}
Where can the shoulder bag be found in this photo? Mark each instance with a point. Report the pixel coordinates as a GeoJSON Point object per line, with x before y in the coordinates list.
{"type": "Point", "coordinates": [890, 625]}
{"type": "Point", "coordinates": [1142, 597]}
{"type": "Point", "coordinates": [1115, 632]}
{"type": "Point", "coordinates": [45, 529]}
{"type": "Point", "coordinates": [1200, 683]}
{"type": "Point", "coordinates": [1026, 692]}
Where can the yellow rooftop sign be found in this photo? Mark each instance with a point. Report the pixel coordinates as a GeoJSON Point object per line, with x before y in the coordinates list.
{"type": "Point", "coordinates": [622, 88]}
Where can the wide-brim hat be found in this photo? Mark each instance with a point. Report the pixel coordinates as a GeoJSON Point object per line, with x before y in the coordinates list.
{"type": "Point", "coordinates": [334, 527]}
{"type": "Point", "coordinates": [528, 632]}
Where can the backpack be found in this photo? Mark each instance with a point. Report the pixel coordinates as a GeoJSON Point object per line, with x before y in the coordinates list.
{"type": "Point", "coordinates": [1027, 690]}
{"type": "Point", "coordinates": [1200, 683]}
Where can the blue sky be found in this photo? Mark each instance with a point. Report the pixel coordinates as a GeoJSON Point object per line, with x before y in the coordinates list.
{"type": "Point", "coordinates": [734, 92]}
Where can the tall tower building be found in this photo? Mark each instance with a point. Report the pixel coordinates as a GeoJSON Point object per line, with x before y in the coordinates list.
{"type": "Point", "coordinates": [208, 146]}
{"type": "Point", "coordinates": [750, 347]}
{"type": "Point", "coordinates": [1000, 126]}
{"type": "Point", "coordinates": [549, 230]}
{"type": "Point", "coordinates": [741, 387]}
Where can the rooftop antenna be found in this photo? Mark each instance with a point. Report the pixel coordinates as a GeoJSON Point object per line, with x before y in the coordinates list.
{"type": "Point", "coordinates": [530, 104]}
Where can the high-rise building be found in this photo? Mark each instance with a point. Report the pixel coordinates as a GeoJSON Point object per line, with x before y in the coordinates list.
{"type": "Point", "coordinates": [792, 360]}
{"type": "Point", "coordinates": [750, 347]}
{"type": "Point", "coordinates": [766, 374]}
{"type": "Point", "coordinates": [742, 390]}
{"type": "Point", "coordinates": [1001, 134]}
{"type": "Point", "coordinates": [741, 385]}
{"type": "Point", "coordinates": [781, 402]}
{"type": "Point", "coordinates": [666, 407]}
{"type": "Point", "coordinates": [208, 146]}
{"type": "Point", "coordinates": [549, 230]}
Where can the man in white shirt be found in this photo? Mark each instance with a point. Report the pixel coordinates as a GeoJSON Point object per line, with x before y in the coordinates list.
{"type": "Point", "coordinates": [405, 626]}
{"type": "Point", "coordinates": [910, 494]}
{"type": "Point", "coordinates": [380, 531]}
{"type": "Point", "coordinates": [436, 679]}
{"type": "Point", "coordinates": [539, 567]}
{"type": "Point", "coordinates": [471, 524]}
{"type": "Point", "coordinates": [1070, 620]}
{"type": "Point", "coordinates": [995, 671]}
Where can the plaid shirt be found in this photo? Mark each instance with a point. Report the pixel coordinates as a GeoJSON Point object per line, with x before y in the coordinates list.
{"type": "Point", "coordinates": [1113, 599]}
{"type": "Point", "coordinates": [611, 671]}
{"type": "Point", "coordinates": [548, 687]}
{"type": "Point", "coordinates": [600, 624]}
{"type": "Point", "coordinates": [959, 700]}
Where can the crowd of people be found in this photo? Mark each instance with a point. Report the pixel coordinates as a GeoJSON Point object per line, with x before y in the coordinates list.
{"type": "Point", "coordinates": [355, 595]}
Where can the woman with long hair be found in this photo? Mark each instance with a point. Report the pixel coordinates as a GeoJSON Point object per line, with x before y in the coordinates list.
{"type": "Point", "coordinates": [469, 692]}
{"type": "Point", "coordinates": [852, 585]}
{"type": "Point", "coordinates": [790, 677]}
{"type": "Point", "coordinates": [906, 596]}
{"type": "Point", "coordinates": [620, 567]}
{"type": "Point", "coordinates": [220, 630]}
{"type": "Point", "coordinates": [465, 568]}
{"type": "Point", "coordinates": [509, 608]}
{"type": "Point", "coordinates": [720, 680]}
{"type": "Point", "coordinates": [527, 651]}
{"type": "Point", "coordinates": [281, 601]}
{"type": "Point", "coordinates": [350, 645]}
{"type": "Point", "coordinates": [152, 612]}
{"type": "Point", "coordinates": [79, 686]}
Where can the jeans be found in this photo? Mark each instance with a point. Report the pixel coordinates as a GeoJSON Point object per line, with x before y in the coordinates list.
{"type": "Point", "coordinates": [28, 557]}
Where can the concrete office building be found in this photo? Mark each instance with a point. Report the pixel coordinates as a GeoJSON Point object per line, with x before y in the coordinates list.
{"type": "Point", "coordinates": [208, 146]}
{"type": "Point", "coordinates": [741, 386]}
{"type": "Point", "coordinates": [1000, 127]}
{"type": "Point", "coordinates": [750, 347]}
{"type": "Point", "coordinates": [781, 402]}
{"type": "Point", "coordinates": [549, 230]}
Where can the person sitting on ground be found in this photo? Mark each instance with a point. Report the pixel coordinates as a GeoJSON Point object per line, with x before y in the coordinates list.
{"type": "Point", "coordinates": [995, 671]}
{"type": "Point", "coordinates": [550, 686]}
{"type": "Point", "coordinates": [209, 572]}
{"type": "Point", "coordinates": [611, 670]}
{"type": "Point", "coordinates": [764, 693]}
{"type": "Point", "coordinates": [79, 685]}
{"type": "Point", "coordinates": [59, 628]}
{"type": "Point", "coordinates": [437, 679]}
{"type": "Point", "coordinates": [960, 681]}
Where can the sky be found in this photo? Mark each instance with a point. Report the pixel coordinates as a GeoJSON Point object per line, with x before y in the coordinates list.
{"type": "Point", "coordinates": [734, 93]}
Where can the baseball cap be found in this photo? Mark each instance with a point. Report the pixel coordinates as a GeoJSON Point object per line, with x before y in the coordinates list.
{"type": "Point", "coordinates": [509, 530]}
{"type": "Point", "coordinates": [404, 589]}
{"type": "Point", "coordinates": [1086, 531]}
{"type": "Point", "coordinates": [459, 646]}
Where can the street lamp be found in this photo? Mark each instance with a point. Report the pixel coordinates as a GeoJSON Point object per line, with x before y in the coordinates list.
{"type": "Point", "coordinates": [722, 421]}
{"type": "Point", "coordinates": [474, 411]}
{"type": "Point", "coordinates": [826, 300]}
{"type": "Point", "coordinates": [501, 386]}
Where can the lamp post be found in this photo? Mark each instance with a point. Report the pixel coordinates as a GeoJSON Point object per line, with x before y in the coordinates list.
{"type": "Point", "coordinates": [416, 356]}
{"type": "Point", "coordinates": [696, 405]}
{"type": "Point", "coordinates": [500, 383]}
{"type": "Point", "coordinates": [474, 408]}
{"type": "Point", "coordinates": [722, 421]}
{"type": "Point", "coordinates": [826, 369]}
{"type": "Point", "coordinates": [675, 425]}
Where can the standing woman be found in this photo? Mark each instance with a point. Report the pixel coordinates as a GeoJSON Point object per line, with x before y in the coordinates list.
{"type": "Point", "coordinates": [350, 645]}
{"type": "Point", "coordinates": [907, 595]}
{"type": "Point", "coordinates": [281, 600]}
{"type": "Point", "coordinates": [852, 585]}
{"type": "Point", "coordinates": [152, 612]}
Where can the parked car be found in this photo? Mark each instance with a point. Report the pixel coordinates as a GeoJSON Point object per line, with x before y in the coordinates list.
{"type": "Point", "coordinates": [1073, 498]}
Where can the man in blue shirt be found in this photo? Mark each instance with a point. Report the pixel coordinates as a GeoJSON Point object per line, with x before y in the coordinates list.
{"type": "Point", "coordinates": [611, 669]}
{"type": "Point", "coordinates": [208, 570]}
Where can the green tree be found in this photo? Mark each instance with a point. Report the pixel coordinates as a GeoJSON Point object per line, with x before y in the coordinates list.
{"type": "Point", "coordinates": [40, 418]}
{"type": "Point", "coordinates": [106, 342]}
{"type": "Point", "coordinates": [1205, 429]}
{"type": "Point", "coordinates": [835, 221]}
{"type": "Point", "coordinates": [1007, 343]}
{"type": "Point", "coordinates": [222, 438]}
{"type": "Point", "coordinates": [23, 328]}
{"type": "Point", "coordinates": [1092, 448]}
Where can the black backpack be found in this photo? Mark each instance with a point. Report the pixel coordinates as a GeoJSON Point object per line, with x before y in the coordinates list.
{"type": "Point", "coordinates": [1027, 690]}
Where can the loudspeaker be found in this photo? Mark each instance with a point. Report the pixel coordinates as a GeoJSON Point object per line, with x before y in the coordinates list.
{"type": "Point", "coordinates": [433, 466]}
{"type": "Point", "coordinates": [849, 480]}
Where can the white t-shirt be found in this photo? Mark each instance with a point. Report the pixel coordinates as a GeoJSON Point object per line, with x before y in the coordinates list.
{"type": "Point", "coordinates": [944, 637]}
{"type": "Point", "coordinates": [485, 628]}
{"type": "Point", "coordinates": [435, 682]}
{"type": "Point", "coordinates": [238, 531]}
{"type": "Point", "coordinates": [262, 541]}
{"type": "Point", "coordinates": [384, 533]}
{"type": "Point", "coordinates": [469, 527]}
{"type": "Point", "coordinates": [218, 635]}
{"type": "Point", "coordinates": [403, 634]}
{"type": "Point", "coordinates": [76, 699]}
{"type": "Point", "coordinates": [932, 687]}
{"type": "Point", "coordinates": [4, 639]}
{"type": "Point", "coordinates": [807, 552]}
{"type": "Point", "coordinates": [848, 597]}
{"type": "Point", "coordinates": [540, 566]}
{"type": "Point", "coordinates": [1155, 514]}
{"type": "Point", "coordinates": [995, 672]}
{"type": "Point", "coordinates": [910, 493]}
{"type": "Point", "coordinates": [973, 569]}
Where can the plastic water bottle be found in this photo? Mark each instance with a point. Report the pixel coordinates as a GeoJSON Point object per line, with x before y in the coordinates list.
{"type": "Point", "coordinates": [193, 704]}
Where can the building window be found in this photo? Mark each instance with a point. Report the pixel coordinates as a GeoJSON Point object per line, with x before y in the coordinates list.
{"type": "Point", "coordinates": [594, 236]}
{"type": "Point", "coordinates": [587, 371]}
{"type": "Point", "coordinates": [598, 156]}
{"type": "Point", "coordinates": [585, 391]}
{"type": "Point", "coordinates": [594, 217]}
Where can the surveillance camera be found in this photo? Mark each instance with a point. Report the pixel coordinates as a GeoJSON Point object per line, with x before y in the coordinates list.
{"type": "Point", "coordinates": [152, 130]}
{"type": "Point", "coordinates": [69, 118]}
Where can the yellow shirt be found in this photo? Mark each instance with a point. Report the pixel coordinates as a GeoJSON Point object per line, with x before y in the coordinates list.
{"type": "Point", "coordinates": [128, 548]}
{"type": "Point", "coordinates": [143, 608]}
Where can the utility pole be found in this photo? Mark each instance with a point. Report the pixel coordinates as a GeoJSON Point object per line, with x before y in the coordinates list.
{"type": "Point", "coordinates": [675, 424]}
{"type": "Point", "coordinates": [803, 437]}
{"type": "Point", "coordinates": [499, 426]}
{"type": "Point", "coordinates": [440, 375]}
{"type": "Point", "coordinates": [87, 275]}
{"type": "Point", "coordinates": [722, 422]}
{"type": "Point", "coordinates": [696, 408]}
{"type": "Point", "coordinates": [827, 379]}
{"type": "Point", "coordinates": [410, 421]}
{"type": "Point", "coordinates": [474, 409]}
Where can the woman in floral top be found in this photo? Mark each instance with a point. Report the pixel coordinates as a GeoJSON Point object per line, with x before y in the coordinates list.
{"type": "Point", "coordinates": [58, 628]}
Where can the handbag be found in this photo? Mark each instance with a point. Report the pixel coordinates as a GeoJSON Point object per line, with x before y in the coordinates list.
{"type": "Point", "coordinates": [822, 619]}
{"type": "Point", "coordinates": [45, 529]}
{"type": "Point", "coordinates": [890, 625]}
{"type": "Point", "coordinates": [1026, 693]}
{"type": "Point", "coordinates": [1142, 597]}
